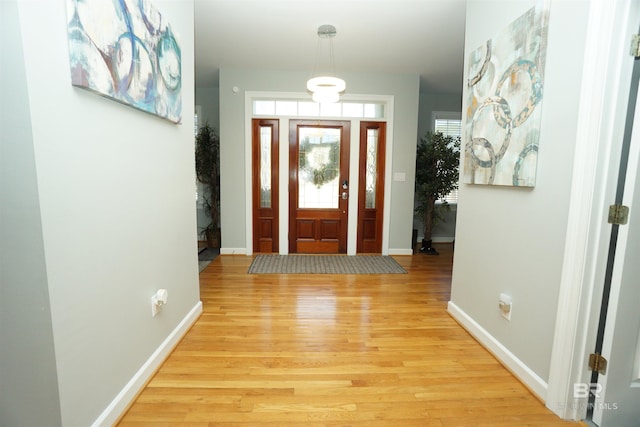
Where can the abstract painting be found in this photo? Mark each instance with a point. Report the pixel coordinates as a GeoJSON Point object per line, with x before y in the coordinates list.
{"type": "Point", "coordinates": [124, 50]}
{"type": "Point", "coordinates": [504, 101]}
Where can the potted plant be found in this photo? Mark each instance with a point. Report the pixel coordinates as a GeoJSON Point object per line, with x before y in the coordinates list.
{"type": "Point", "coordinates": [437, 165]}
{"type": "Point", "coordinates": [208, 173]}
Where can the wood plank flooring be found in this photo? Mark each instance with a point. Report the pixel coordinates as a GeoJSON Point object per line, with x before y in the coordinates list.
{"type": "Point", "coordinates": [324, 350]}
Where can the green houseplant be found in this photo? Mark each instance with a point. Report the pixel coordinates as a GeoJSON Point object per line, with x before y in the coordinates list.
{"type": "Point", "coordinates": [207, 155]}
{"type": "Point", "coordinates": [437, 165]}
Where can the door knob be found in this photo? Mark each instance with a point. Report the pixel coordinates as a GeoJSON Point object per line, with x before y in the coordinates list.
{"type": "Point", "coordinates": [345, 195]}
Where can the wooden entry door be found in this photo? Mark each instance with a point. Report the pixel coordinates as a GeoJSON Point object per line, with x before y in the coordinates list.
{"type": "Point", "coordinates": [318, 186]}
{"type": "Point", "coordinates": [265, 185]}
{"type": "Point", "coordinates": [371, 187]}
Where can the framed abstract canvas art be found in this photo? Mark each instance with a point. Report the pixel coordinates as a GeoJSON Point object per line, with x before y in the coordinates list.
{"type": "Point", "coordinates": [125, 50]}
{"type": "Point", "coordinates": [504, 101]}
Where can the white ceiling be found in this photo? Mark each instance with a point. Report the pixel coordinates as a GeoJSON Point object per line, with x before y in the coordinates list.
{"type": "Point", "coordinates": [424, 37]}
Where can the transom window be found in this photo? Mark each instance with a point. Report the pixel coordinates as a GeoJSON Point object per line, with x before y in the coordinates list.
{"type": "Point", "coordinates": [292, 108]}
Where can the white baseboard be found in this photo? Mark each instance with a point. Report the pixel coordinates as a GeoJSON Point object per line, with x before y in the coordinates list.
{"type": "Point", "coordinates": [121, 402]}
{"type": "Point", "coordinates": [442, 239]}
{"type": "Point", "coordinates": [233, 251]}
{"type": "Point", "coordinates": [437, 239]}
{"type": "Point", "coordinates": [400, 252]}
{"type": "Point", "coordinates": [529, 378]}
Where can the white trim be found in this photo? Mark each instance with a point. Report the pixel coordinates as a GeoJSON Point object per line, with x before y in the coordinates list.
{"type": "Point", "coordinates": [354, 182]}
{"type": "Point", "coordinates": [517, 367]}
{"type": "Point", "coordinates": [442, 239]}
{"type": "Point", "coordinates": [578, 300]}
{"type": "Point", "coordinates": [121, 402]}
{"type": "Point", "coordinates": [248, 176]}
{"type": "Point", "coordinates": [283, 212]}
{"type": "Point", "coordinates": [566, 348]}
{"type": "Point", "coordinates": [234, 251]}
{"type": "Point", "coordinates": [399, 252]}
{"type": "Point", "coordinates": [388, 174]}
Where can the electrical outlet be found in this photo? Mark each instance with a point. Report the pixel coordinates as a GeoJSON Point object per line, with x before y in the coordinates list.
{"type": "Point", "coordinates": [158, 300]}
{"type": "Point", "coordinates": [505, 305]}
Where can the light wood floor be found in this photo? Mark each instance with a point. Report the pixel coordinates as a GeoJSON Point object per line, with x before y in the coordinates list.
{"type": "Point", "coordinates": [374, 350]}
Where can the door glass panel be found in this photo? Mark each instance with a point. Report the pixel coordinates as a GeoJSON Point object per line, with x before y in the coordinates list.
{"type": "Point", "coordinates": [371, 168]}
{"type": "Point", "coordinates": [265, 166]}
{"type": "Point", "coordinates": [318, 168]}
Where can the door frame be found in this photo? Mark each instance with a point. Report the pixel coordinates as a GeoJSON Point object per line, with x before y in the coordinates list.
{"type": "Point", "coordinates": [606, 80]}
{"type": "Point", "coordinates": [344, 173]}
{"type": "Point", "coordinates": [249, 97]}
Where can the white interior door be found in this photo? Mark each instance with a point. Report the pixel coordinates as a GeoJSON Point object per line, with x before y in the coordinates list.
{"type": "Point", "coordinates": [618, 395]}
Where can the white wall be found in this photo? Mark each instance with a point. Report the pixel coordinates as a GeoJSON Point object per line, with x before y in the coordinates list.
{"type": "Point", "coordinates": [430, 102]}
{"type": "Point", "coordinates": [27, 359]}
{"type": "Point", "coordinates": [405, 90]}
{"type": "Point", "coordinates": [209, 99]}
{"type": "Point", "coordinates": [512, 239]}
{"type": "Point", "coordinates": [116, 201]}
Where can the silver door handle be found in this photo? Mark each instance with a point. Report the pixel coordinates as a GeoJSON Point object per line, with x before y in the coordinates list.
{"type": "Point", "coordinates": [345, 195]}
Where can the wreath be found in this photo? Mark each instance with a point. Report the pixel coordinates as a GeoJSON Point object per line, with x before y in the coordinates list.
{"type": "Point", "coordinates": [324, 165]}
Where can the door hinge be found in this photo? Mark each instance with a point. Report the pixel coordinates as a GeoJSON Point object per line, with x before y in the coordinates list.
{"type": "Point", "coordinates": [618, 214]}
{"type": "Point", "coordinates": [598, 363]}
{"type": "Point", "coordinates": [635, 46]}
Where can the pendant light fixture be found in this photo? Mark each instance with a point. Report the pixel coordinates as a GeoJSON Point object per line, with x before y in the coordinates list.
{"type": "Point", "coordinates": [325, 87]}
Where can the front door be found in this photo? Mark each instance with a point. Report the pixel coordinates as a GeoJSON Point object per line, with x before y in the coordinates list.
{"type": "Point", "coordinates": [318, 186]}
